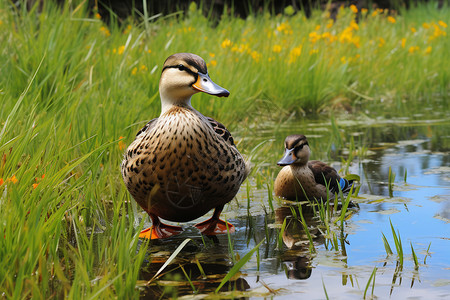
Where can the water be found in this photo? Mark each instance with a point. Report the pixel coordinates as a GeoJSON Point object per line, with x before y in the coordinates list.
{"type": "Point", "coordinates": [419, 210]}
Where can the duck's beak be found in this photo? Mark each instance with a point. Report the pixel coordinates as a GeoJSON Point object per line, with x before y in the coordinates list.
{"type": "Point", "coordinates": [206, 85]}
{"type": "Point", "coordinates": [287, 158]}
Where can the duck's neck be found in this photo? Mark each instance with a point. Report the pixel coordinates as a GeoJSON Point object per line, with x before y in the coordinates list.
{"type": "Point", "coordinates": [298, 166]}
{"type": "Point", "coordinates": [168, 103]}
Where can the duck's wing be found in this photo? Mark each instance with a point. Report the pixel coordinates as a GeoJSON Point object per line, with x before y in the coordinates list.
{"type": "Point", "coordinates": [221, 131]}
{"type": "Point", "coordinates": [328, 176]}
{"type": "Point", "coordinates": [147, 126]}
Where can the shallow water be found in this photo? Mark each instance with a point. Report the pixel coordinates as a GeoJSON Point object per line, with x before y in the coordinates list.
{"type": "Point", "coordinates": [419, 210]}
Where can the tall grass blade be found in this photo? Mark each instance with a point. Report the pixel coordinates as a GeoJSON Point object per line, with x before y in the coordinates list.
{"type": "Point", "coordinates": [280, 235]}
{"type": "Point", "coordinates": [189, 279]}
{"type": "Point", "coordinates": [371, 279]}
{"type": "Point", "coordinates": [235, 269]}
{"type": "Point", "coordinates": [416, 262]}
{"type": "Point", "coordinates": [312, 249]}
{"type": "Point", "coordinates": [398, 243]}
{"type": "Point", "coordinates": [170, 259]}
{"type": "Point", "coordinates": [386, 245]}
{"type": "Point", "coordinates": [19, 101]}
{"type": "Point", "coordinates": [200, 268]}
{"type": "Point", "coordinates": [101, 290]}
{"type": "Point", "coordinates": [325, 290]}
{"type": "Point", "coordinates": [270, 198]}
{"type": "Point", "coordinates": [426, 255]}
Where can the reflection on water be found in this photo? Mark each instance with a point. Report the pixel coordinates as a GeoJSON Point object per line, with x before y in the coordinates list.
{"type": "Point", "coordinates": [419, 211]}
{"type": "Point", "coordinates": [296, 258]}
{"type": "Point", "coordinates": [202, 262]}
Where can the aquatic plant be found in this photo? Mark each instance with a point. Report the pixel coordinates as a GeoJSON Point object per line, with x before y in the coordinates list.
{"type": "Point", "coordinates": [370, 281]}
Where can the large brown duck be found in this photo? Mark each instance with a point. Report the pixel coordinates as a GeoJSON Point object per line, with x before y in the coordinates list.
{"type": "Point", "coordinates": [183, 164]}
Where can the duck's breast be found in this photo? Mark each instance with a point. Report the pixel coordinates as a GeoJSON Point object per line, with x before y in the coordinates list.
{"type": "Point", "coordinates": [181, 168]}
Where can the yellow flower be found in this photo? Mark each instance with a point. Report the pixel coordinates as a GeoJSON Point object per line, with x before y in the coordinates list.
{"type": "Point", "coordinates": [442, 24]}
{"type": "Point", "coordinates": [255, 55]}
{"type": "Point", "coordinates": [149, 51]}
{"type": "Point", "coordinates": [354, 25]}
{"type": "Point", "coordinates": [97, 16]}
{"type": "Point", "coordinates": [343, 59]}
{"type": "Point", "coordinates": [276, 48]}
{"type": "Point", "coordinates": [143, 68]}
{"type": "Point", "coordinates": [317, 28]}
{"type": "Point", "coordinates": [353, 8]}
{"type": "Point", "coordinates": [428, 50]}
{"type": "Point", "coordinates": [356, 41]}
{"type": "Point", "coordinates": [212, 54]}
{"type": "Point", "coordinates": [284, 28]}
{"type": "Point", "coordinates": [281, 27]}
{"type": "Point", "coordinates": [213, 63]}
{"type": "Point", "coordinates": [413, 49]}
{"type": "Point", "coordinates": [374, 13]}
{"type": "Point", "coordinates": [13, 179]}
{"type": "Point", "coordinates": [133, 72]}
{"type": "Point", "coordinates": [122, 145]}
{"type": "Point", "coordinates": [1, 181]}
{"type": "Point", "coordinates": [330, 23]}
{"type": "Point", "coordinates": [437, 32]}
{"type": "Point", "coordinates": [35, 185]}
{"type": "Point", "coordinates": [364, 11]}
{"type": "Point", "coordinates": [426, 25]}
{"type": "Point", "coordinates": [325, 35]}
{"type": "Point", "coordinates": [127, 30]}
{"type": "Point", "coordinates": [382, 42]}
{"type": "Point", "coordinates": [226, 43]}
{"type": "Point", "coordinates": [105, 31]}
{"type": "Point", "coordinates": [314, 37]}
{"type": "Point", "coordinates": [391, 19]}
{"type": "Point", "coordinates": [403, 42]}
{"type": "Point", "coordinates": [121, 50]}
{"type": "Point", "coordinates": [413, 30]}
{"type": "Point", "coordinates": [295, 52]}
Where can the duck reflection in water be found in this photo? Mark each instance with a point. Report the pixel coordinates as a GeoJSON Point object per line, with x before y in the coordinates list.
{"type": "Point", "coordinates": [205, 266]}
{"type": "Point", "coordinates": [297, 258]}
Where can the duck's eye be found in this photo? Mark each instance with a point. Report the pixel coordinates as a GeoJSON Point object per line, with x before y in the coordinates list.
{"type": "Point", "coordinates": [298, 148]}
{"type": "Point", "coordinates": [181, 67]}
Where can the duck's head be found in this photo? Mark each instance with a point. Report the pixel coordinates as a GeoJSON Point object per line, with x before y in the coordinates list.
{"type": "Point", "coordinates": [183, 75]}
{"type": "Point", "coordinates": [296, 150]}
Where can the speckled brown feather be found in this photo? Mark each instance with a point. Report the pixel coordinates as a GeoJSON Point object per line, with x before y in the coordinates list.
{"type": "Point", "coordinates": [182, 165]}
{"type": "Point", "coordinates": [324, 174]}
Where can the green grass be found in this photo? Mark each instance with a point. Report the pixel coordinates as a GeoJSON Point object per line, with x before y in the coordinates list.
{"type": "Point", "coordinates": [72, 86]}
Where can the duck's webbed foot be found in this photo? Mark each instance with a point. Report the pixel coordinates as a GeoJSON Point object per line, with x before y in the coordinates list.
{"type": "Point", "coordinates": [159, 230]}
{"type": "Point", "coordinates": [214, 225]}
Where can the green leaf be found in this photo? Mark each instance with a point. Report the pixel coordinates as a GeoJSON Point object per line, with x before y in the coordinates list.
{"type": "Point", "coordinates": [238, 266]}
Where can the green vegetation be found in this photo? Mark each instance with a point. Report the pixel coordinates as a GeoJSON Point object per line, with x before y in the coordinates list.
{"type": "Point", "coordinates": [74, 92]}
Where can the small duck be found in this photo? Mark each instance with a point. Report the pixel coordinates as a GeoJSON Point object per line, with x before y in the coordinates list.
{"type": "Point", "coordinates": [300, 179]}
{"type": "Point", "coordinates": [183, 164]}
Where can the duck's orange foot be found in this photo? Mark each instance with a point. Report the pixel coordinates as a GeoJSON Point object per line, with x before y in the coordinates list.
{"type": "Point", "coordinates": [214, 226]}
{"type": "Point", "coordinates": [160, 231]}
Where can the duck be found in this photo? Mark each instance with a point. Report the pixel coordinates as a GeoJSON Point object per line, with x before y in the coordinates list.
{"type": "Point", "coordinates": [182, 164]}
{"type": "Point", "coordinates": [301, 179]}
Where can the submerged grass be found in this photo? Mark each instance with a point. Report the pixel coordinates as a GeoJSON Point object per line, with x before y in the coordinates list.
{"type": "Point", "coordinates": [74, 92]}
